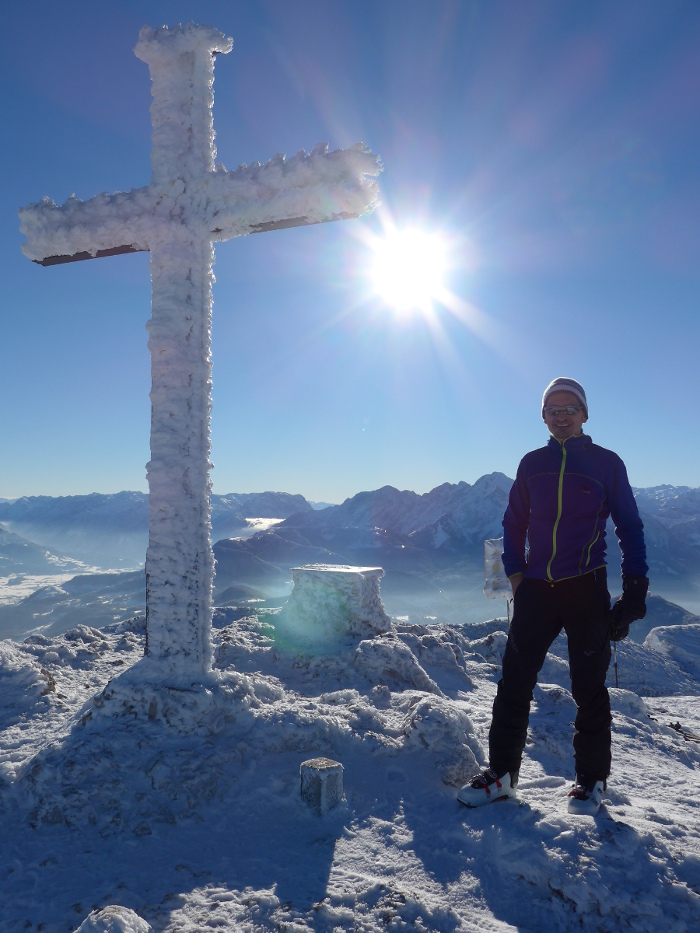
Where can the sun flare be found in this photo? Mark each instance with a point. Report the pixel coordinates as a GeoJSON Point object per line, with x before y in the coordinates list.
{"type": "Point", "coordinates": [408, 269]}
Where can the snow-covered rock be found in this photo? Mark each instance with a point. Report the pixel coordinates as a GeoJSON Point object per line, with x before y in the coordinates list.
{"type": "Point", "coordinates": [680, 643]}
{"type": "Point", "coordinates": [113, 919]}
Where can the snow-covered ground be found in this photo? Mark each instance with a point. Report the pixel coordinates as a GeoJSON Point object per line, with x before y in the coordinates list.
{"type": "Point", "coordinates": [183, 808]}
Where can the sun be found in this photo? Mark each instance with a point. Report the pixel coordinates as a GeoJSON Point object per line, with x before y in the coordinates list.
{"type": "Point", "coordinates": [408, 270]}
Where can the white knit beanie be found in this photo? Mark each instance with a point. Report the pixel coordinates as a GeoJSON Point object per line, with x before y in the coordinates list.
{"type": "Point", "coordinates": [565, 384]}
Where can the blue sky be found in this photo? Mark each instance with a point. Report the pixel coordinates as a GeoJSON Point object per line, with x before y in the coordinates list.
{"type": "Point", "coordinates": [553, 145]}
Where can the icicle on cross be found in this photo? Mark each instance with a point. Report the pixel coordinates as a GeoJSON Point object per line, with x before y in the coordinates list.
{"type": "Point", "coordinates": [190, 203]}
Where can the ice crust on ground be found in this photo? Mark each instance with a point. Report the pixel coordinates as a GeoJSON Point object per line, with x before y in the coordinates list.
{"type": "Point", "coordinates": [184, 805]}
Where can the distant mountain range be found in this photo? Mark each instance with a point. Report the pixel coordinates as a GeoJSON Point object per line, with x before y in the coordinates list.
{"type": "Point", "coordinates": [111, 531]}
{"type": "Point", "coordinates": [430, 545]}
{"type": "Point", "coordinates": [441, 534]}
{"type": "Point", "coordinates": [19, 555]}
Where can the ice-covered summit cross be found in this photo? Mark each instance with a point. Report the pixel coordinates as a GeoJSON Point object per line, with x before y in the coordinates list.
{"type": "Point", "coordinates": [190, 203]}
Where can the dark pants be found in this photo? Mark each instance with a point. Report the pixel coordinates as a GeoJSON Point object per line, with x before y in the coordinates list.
{"type": "Point", "coordinates": [541, 611]}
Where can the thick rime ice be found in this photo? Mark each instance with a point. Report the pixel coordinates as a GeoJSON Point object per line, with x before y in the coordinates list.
{"type": "Point", "coordinates": [250, 199]}
{"type": "Point", "coordinates": [190, 203]}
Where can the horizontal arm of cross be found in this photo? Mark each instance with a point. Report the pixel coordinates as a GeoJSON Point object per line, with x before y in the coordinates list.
{"type": "Point", "coordinates": [309, 188]}
{"type": "Point", "coordinates": [106, 225]}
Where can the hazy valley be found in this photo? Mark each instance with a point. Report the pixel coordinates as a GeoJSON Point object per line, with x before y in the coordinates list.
{"type": "Point", "coordinates": [71, 560]}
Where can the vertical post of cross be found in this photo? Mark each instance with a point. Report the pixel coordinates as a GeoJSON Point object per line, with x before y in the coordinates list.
{"type": "Point", "coordinates": [179, 559]}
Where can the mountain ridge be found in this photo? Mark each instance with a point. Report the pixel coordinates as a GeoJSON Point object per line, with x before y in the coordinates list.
{"type": "Point", "coordinates": [430, 545]}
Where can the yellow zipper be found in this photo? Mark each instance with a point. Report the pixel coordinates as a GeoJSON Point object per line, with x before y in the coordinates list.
{"type": "Point", "coordinates": [559, 508]}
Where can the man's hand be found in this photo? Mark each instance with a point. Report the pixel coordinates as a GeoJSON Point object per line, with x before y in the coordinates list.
{"type": "Point", "coordinates": [515, 581]}
{"type": "Point", "coordinates": [629, 607]}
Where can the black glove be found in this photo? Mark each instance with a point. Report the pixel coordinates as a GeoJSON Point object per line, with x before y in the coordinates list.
{"type": "Point", "coordinates": [629, 607]}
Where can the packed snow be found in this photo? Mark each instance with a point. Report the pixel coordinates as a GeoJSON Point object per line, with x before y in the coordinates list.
{"type": "Point", "coordinates": [128, 806]}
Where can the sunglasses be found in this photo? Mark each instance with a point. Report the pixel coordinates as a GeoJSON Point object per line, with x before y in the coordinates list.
{"type": "Point", "coordinates": [552, 410]}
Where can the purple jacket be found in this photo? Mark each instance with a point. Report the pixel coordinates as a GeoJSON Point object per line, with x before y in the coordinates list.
{"type": "Point", "coordinates": [560, 501]}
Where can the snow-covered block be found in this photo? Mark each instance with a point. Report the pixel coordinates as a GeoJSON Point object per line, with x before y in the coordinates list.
{"type": "Point", "coordinates": [331, 601]}
{"type": "Point", "coordinates": [113, 919]}
{"type": "Point", "coordinates": [321, 783]}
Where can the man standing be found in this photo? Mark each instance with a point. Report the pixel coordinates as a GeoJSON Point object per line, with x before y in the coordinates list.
{"type": "Point", "coordinates": [554, 554]}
